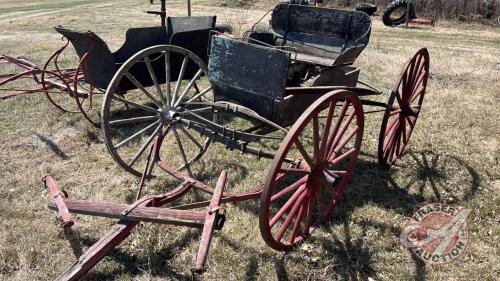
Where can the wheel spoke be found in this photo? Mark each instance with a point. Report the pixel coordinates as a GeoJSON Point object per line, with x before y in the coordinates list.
{"type": "Point", "coordinates": [398, 98]}
{"type": "Point", "coordinates": [342, 113]}
{"type": "Point", "coordinates": [143, 148]}
{"type": "Point", "coordinates": [342, 157]}
{"type": "Point", "coordinates": [316, 156]}
{"type": "Point", "coordinates": [403, 126]}
{"type": "Point", "coordinates": [410, 121]}
{"type": "Point", "coordinates": [341, 132]}
{"type": "Point", "coordinates": [295, 185]}
{"type": "Point", "coordinates": [179, 81]}
{"type": "Point", "coordinates": [190, 137]}
{"type": "Point", "coordinates": [309, 212]}
{"type": "Point", "coordinates": [419, 80]}
{"type": "Point", "coordinates": [408, 134]}
{"type": "Point", "coordinates": [203, 109]}
{"type": "Point", "coordinates": [346, 140]}
{"type": "Point", "coordinates": [155, 80]}
{"type": "Point", "coordinates": [183, 152]}
{"type": "Point", "coordinates": [143, 107]}
{"type": "Point", "coordinates": [398, 141]}
{"type": "Point", "coordinates": [391, 127]}
{"type": "Point", "coordinates": [304, 153]}
{"type": "Point", "coordinates": [295, 171]}
{"type": "Point", "coordinates": [297, 224]}
{"type": "Point", "coordinates": [285, 207]}
{"type": "Point", "coordinates": [335, 173]}
{"type": "Point", "coordinates": [134, 136]}
{"type": "Point", "coordinates": [419, 67]}
{"type": "Point", "coordinates": [290, 216]}
{"type": "Point", "coordinates": [394, 112]}
{"type": "Point", "coordinates": [409, 80]}
{"type": "Point", "coordinates": [168, 93]}
{"type": "Point", "coordinates": [390, 136]}
{"type": "Point", "coordinates": [200, 94]}
{"type": "Point", "coordinates": [133, 120]}
{"type": "Point", "coordinates": [392, 147]}
{"type": "Point", "coordinates": [417, 95]}
{"type": "Point", "coordinates": [326, 131]}
{"type": "Point", "coordinates": [189, 86]}
{"type": "Point", "coordinates": [139, 86]}
{"type": "Point", "coordinates": [387, 148]}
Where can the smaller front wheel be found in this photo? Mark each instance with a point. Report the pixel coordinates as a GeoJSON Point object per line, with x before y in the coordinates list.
{"type": "Point", "coordinates": [311, 169]}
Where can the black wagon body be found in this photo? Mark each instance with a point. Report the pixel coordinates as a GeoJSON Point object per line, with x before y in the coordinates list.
{"type": "Point", "coordinates": [191, 33]}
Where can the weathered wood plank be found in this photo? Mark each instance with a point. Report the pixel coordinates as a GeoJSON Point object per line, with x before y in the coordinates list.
{"type": "Point", "coordinates": [146, 214]}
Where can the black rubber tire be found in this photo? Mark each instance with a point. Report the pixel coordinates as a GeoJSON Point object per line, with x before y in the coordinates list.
{"type": "Point", "coordinates": [393, 6]}
{"type": "Point", "coordinates": [367, 8]}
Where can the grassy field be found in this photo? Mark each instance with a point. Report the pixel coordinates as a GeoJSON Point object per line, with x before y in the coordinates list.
{"type": "Point", "coordinates": [453, 156]}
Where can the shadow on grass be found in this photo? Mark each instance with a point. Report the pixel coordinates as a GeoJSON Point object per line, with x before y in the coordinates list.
{"type": "Point", "coordinates": [156, 263]}
{"type": "Point", "coordinates": [52, 146]}
{"type": "Point", "coordinates": [354, 259]}
{"type": "Point", "coordinates": [422, 177]}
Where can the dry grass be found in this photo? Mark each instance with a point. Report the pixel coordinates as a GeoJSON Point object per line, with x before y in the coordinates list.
{"type": "Point", "coordinates": [458, 131]}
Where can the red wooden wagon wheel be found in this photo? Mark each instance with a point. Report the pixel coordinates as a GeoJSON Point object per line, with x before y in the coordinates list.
{"type": "Point", "coordinates": [89, 102]}
{"type": "Point", "coordinates": [311, 169]}
{"type": "Point", "coordinates": [57, 89]}
{"type": "Point", "coordinates": [57, 85]}
{"type": "Point", "coordinates": [403, 108]}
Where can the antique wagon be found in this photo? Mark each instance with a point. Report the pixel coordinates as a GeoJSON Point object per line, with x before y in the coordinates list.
{"type": "Point", "coordinates": [288, 95]}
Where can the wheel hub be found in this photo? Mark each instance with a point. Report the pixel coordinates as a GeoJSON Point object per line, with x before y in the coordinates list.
{"type": "Point", "coordinates": [320, 177]}
{"type": "Point", "coordinates": [169, 115]}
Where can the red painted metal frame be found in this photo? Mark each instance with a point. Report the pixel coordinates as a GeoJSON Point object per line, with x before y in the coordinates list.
{"type": "Point", "coordinates": [55, 80]}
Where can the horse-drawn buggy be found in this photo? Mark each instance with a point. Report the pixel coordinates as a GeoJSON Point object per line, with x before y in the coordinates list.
{"type": "Point", "coordinates": [288, 94]}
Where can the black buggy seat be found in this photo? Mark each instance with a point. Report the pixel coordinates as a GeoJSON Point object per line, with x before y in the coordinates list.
{"type": "Point", "coordinates": [191, 33]}
{"type": "Point", "coordinates": [320, 36]}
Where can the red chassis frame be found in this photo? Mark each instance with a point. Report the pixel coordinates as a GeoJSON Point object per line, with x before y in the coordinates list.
{"type": "Point", "coordinates": [147, 209]}
{"type": "Point", "coordinates": [51, 79]}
